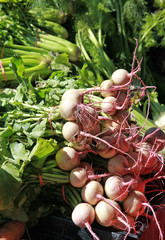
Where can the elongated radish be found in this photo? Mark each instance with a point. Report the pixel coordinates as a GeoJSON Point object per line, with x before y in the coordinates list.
{"type": "Point", "coordinates": [67, 158]}
{"type": "Point", "coordinates": [118, 165]}
{"type": "Point", "coordinates": [116, 188]}
{"type": "Point", "coordinates": [133, 203]}
{"type": "Point", "coordinates": [107, 89]}
{"type": "Point", "coordinates": [83, 215]}
{"type": "Point", "coordinates": [12, 230]}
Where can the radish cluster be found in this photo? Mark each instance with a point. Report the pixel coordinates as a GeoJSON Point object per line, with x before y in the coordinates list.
{"type": "Point", "coordinates": [98, 122]}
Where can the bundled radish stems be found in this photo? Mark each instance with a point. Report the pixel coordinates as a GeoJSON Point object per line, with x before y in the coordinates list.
{"type": "Point", "coordinates": [97, 123]}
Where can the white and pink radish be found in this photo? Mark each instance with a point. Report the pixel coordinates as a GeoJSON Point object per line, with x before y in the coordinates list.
{"type": "Point", "coordinates": [92, 192]}
{"type": "Point", "coordinates": [133, 203]}
{"type": "Point", "coordinates": [67, 158]}
{"type": "Point", "coordinates": [116, 188]}
{"type": "Point", "coordinates": [108, 105]}
{"type": "Point", "coordinates": [83, 215]}
{"type": "Point", "coordinates": [73, 94]}
{"type": "Point", "coordinates": [106, 213]}
{"type": "Point", "coordinates": [107, 89]}
{"type": "Point", "coordinates": [80, 175]}
{"type": "Point", "coordinates": [120, 77]}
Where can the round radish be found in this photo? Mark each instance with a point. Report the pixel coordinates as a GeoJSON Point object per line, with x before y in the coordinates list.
{"type": "Point", "coordinates": [68, 109]}
{"type": "Point", "coordinates": [106, 86]}
{"type": "Point", "coordinates": [116, 188]}
{"type": "Point", "coordinates": [78, 177]}
{"type": "Point", "coordinates": [106, 213]}
{"type": "Point", "coordinates": [67, 158]}
{"type": "Point", "coordinates": [108, 105]}
{"type": "Point", "coordinates": [120, 77]}
{"type": "Point", "coordinates": [83, 216]}
{"type": "Point", "coordinates": [70, 131]}
{"type": "Point", "coordinates": [83, 213]}
{"type": "Point", "coordinates": [74, 94]}
{"type": "Point", "coordinates": [133, 203]}
{"type": "Point", "coordinates": [90, 191]}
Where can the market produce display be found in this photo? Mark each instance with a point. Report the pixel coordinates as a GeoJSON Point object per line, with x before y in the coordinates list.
{"type": "Point", "coordinates": [81, 123]}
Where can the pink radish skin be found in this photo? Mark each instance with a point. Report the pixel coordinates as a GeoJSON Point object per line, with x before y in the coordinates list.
{"type": "Point", "coordinates": [67, 158]}
{"type": "Point", "coordinates": [106, 89]}
{"type": "Point", "coordinates": [118, 165]}
{"type": "Point", "coordinates": [91, 191]}
{"type": "Point", "coordinates": [133, 203]}
{"type": "Point", "coordinates": [83, 216]}
{"type": "Point", "coordinates": [116, 188]}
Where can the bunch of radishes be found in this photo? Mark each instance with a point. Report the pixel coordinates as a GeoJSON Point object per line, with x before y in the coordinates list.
{"type": "Point", "coordinates": [97, 122]}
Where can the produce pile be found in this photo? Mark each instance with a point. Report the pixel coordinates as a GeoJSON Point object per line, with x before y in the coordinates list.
{"type": "Point", "coordinates": [81, 126]}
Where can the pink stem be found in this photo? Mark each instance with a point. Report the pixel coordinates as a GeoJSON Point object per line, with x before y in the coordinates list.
{"type": "Point", "coordinates": [88, 226]}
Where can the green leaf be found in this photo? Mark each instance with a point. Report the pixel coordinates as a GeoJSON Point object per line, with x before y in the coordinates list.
{"type": "Point", "coordinates": [38, 130]}
{"type": "Point", "coordinates": [9, 185]}
{"type": "Point", "coordinates": [8, 131]}
{"type": "Point", "coordinates": [42, 150]}
{"type": "Point", "coordinates": [19, 152]}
